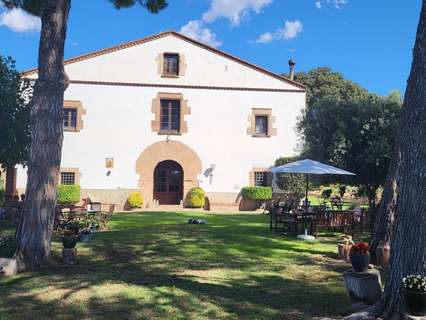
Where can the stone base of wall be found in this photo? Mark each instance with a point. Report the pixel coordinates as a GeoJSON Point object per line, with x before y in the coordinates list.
{"type": "Point", "coordinates": [109, 196]}
{"type": "Point", "coordinates": [215, 201]}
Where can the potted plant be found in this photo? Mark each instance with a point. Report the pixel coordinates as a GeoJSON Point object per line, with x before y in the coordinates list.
{"type": "Point", "coordinates": [414, 292]}
{"type": "Point", "coordinates": [360, 256]}
{"type": "Point", "coordinates": [69, 239]}
{"type": "Point", "coordinates": [85, 235]}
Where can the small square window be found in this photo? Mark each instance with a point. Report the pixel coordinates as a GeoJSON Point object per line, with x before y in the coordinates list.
{"type": "Point", "coordinates": [261, 179]}
{"type": "Point", "coordinates": [68, 178]}
{"type": "Point", "coordinates": [70, 119]}
{"type": "Point", "coordinates": [171, 64]}
{"type": "Point", "coordinates": [261, 125]}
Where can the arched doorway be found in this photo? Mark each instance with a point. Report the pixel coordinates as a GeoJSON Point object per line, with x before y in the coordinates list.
{"type": "Point", "coordinates": [169, 150]}
{"type": "Point", "coordinates": [168, 182]}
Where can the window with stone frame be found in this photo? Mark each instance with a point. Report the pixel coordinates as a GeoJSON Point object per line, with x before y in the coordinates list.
{"type": "Point", "coordinates": [261, 125]}
{"type": "Point", "coordinates": [169, 116]}
{"type": "Point", "coordinates": [260, 178]}
{"type": "Point", "coordinates": [171, 64]}
{"type": "Point", "coordinates": [68, 178]}
{"type": "Point", "coordinates": [70, 119]}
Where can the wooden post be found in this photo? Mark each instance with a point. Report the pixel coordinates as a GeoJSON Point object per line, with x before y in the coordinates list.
{"type": "Point", "coordinates": [363, 286]}
{"type": "Point", "coordinates": [69, 256]}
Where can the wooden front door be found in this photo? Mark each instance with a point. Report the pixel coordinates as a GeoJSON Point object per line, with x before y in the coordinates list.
{"type": "Point", "coordinates": [168, 182]}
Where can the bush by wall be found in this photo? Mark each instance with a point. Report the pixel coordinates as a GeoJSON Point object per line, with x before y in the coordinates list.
{"type": "Point", "coordinates": [257, 193]}
{"type": "Point", "coordinates": [195, 198]}
{"type": "Point", "coordinates": [134, 200]}
{"type": "Point", "coordinates": [68, 194]}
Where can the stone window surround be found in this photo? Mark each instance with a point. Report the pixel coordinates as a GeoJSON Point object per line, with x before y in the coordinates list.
{"type": "Point", "coordinates": [182, 65]}
{"type": "Point", "coordinates": [156, 110]}
{"type": "Point", "coordinates": [259, 169]}
{"type": "Point", "coordinates": [75, 104]}
{"type": "Point", "coordinates": [251, 130]}
{"type": "Point", "coordinates": [77, 174]}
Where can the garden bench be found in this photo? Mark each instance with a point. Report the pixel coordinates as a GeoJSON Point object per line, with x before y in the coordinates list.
{"type": "Point", "coordinates": [334, 220]}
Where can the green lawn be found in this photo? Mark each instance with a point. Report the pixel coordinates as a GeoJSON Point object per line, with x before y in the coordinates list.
{"type": "Point", "coordinates": [153, 265]}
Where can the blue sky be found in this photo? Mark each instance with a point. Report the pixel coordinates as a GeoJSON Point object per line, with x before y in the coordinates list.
{"type": "Point", "coordinates": [369, 41]}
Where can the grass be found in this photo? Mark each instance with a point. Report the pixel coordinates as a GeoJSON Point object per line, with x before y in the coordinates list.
{"type": "Point", "coordinates": [153, 265]}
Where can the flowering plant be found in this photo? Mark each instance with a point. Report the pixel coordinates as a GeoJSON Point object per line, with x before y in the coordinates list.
{"type": "Point", "coordinates": [414, 282]}
{"type": "Point", "coordinates": [360, 248]}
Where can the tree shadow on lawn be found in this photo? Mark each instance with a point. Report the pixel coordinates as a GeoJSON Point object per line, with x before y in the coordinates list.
{"type": "Point", "coordinates": [142, 273]}
{"type": "Point", "coordinates": [255, 297]}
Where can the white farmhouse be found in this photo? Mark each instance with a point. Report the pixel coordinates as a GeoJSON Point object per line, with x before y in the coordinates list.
{"type": "Point", "coordinates": [165, 113]}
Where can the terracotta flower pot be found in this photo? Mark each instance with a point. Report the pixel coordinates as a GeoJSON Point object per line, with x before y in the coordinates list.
{"type": "Point", "coordinates": [360, 262]}
{"type": "Point", "coordinates": [383, 254]}
{"type": "Point", "coordinates": [415, 302]}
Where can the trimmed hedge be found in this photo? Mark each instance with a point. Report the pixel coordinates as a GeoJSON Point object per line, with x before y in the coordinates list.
{"type": "Point", "coordinates": [257, 193]}
{"type": "Point", "coordinates": [195, 198]}
{"type": "Point", "coordinates": [135, 200]}
{"type": "Point", "coordinates": [68, 194]}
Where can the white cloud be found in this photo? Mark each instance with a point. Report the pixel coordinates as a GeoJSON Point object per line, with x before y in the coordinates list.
{"type": "Point", "coordinates": [233, 10]}
{"type": "Point", "coordinates": [195, 29]}
{"type": "Point", "coordinates": [290, 30]}
{"type": "Point", "coordinates": [265, 38]}
{"type": "Point", "coordinates": [338, 4]}
{"type": "Point", "coordinates": [19, 21]}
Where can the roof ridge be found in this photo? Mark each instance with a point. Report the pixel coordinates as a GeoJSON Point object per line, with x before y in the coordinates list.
{"type": "Point", "coordinates": [133, 43]}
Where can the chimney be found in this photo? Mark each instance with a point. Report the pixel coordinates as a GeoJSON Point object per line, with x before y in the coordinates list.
{"type": "Point", "coordinates": [291, 63]}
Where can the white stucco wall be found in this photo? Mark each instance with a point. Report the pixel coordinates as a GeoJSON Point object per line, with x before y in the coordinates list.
{"type": "Point", "coordinates": [118, 119]}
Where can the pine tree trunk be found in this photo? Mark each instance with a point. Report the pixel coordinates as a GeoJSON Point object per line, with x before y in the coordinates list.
{"type": "Point", "coordinates": [385, 217]}
{"type": "Point", "coordinates": [408, 244]}
{"type": "Point", "coordinates": [36, 226]}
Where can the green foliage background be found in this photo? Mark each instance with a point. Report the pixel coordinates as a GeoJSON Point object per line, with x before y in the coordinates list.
{"type": "Point", "coordinates": [15, 94]}
{"type": "Point", "coordinates": [346, 126]}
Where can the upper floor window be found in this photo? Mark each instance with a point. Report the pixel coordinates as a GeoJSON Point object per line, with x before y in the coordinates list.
{"type": "Point", "coordinates": [261, 125]}
{"type": "Point", "coordinates": [170, 116]}
{"type": "Point", "coordinates": [171, 64]}
{"type": "Point", "coordinates": [73, 115]}
{"type": "Point", "coordinates": [70, 119]}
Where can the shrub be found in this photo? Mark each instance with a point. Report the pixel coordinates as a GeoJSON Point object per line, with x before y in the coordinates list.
{"type": "Point", "coordinates": [195, 198]}
{"type": "Point", "coordinates": [135, 200]}
{"type": "Point", "coordinates": [326, 193]}
{"type": "Point", "coordinates": [292, 184]}
{"type": "Point", "coordinates": [68, 194]}
{"type": "Point", "coordinates": [257, 193]}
